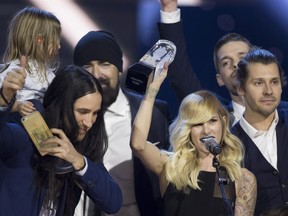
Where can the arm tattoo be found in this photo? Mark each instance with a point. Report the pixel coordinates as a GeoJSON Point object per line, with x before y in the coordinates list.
{"type": "Point", "coordinates": [246, 195]}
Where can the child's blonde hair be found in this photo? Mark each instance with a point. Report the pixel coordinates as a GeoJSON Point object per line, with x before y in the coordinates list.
{"type": "Point", "coordinates": [34, 33]}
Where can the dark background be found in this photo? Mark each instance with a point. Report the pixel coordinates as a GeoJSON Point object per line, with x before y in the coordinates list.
{"type": "Point", "coordinates": [134, 24]}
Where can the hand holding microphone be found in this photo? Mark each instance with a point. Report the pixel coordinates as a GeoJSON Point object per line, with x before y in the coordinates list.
{"type": "Point", "coordinates": [211, 145]}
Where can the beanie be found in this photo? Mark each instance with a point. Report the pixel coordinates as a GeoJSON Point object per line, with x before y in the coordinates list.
{"type": "Point", "coordinates": [98, 45]}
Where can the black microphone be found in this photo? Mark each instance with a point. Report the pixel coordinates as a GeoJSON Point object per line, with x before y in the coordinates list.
{"type": "Point", "coordinates": [211, 145]}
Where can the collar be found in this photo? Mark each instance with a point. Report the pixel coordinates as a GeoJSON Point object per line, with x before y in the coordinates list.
{"type": "Point", "coordinates": [238, 110]}
{"type": "Point", "coordinates": [252, 132]}
{"type": "Point", "coordinates": [121, 105]}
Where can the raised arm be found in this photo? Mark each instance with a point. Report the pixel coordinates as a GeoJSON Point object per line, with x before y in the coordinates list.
{"type": "Point", "coordinates": [148, 153]}
{"type": "Point", "coordinates": [182, 77]}
{"type": "Point", "coordinates": [246, 194]}
{"type": "Point", "coordinates": [169, 5]}
{"type": "Point", "coordinates": [12, 82]}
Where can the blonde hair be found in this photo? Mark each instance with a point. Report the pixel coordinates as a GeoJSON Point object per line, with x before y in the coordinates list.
{"type": "Point", "coordinates": [183, 167]}
{"type": "Point", "coordinates": [25, 27]}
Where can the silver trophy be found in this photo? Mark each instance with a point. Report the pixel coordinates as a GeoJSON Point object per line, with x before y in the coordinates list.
{"type": "Point", "coordinates": [140, 74]}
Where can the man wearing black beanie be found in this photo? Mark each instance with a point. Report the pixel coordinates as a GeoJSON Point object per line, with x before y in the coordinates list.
{"type": "Point", "coordinates": [100, 54]}
{"type": "Point", "coordinates": [100, 45]}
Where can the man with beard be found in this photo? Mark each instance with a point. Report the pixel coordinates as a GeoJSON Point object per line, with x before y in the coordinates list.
{"type": "Point", "coordinates": [100, 54]}
{"type": "Point", "coordinates": [263, 129]}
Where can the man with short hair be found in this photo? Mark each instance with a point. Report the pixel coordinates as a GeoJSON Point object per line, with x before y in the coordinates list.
{"type": "Point", "coordinates": [263, 129]}
{"type": "Point", "coordinates": [228, 51]}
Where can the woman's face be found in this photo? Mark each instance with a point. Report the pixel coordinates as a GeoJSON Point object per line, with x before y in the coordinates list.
{"type": "Point", "coordinates": [86, 109]}
{"type": "Point", "coordinates": [213, 127]}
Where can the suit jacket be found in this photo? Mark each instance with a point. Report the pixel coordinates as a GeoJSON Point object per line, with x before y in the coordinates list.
{"type": "Point", "coordinates": [272, 184]}
{"type": "Point", "coordinates": [180, 73]}
{"type": "Point", "coordinates": [17, 188]}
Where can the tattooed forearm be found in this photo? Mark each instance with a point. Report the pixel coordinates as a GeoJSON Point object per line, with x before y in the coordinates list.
{"type": "Point", "coordinates": [246, 194]}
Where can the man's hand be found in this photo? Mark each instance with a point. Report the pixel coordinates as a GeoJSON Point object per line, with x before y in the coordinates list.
{"type": "Point", "coordinates": [13, 81]}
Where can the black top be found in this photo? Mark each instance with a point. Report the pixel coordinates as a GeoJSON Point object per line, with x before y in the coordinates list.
{"type": "Point", "coordinates": [207, 202]}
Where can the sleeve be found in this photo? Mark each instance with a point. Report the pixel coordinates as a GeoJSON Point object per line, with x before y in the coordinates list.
{"type": "Point", "coordinates": [101, 187]}
{"type": "Point", "coordinates": [2, 76]}
{"type": "Point", "coordinates": [180, 74]}
{"type": "Point", "coordinates": [13, 138]}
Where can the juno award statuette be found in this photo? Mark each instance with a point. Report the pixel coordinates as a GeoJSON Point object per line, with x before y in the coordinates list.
{"type": "Point", "coordinates": [141, 74]}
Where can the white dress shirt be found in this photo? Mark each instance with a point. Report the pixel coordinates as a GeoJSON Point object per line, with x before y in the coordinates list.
{"type": "Point", "coordinates": [118, 158]}
{"type": "Point", "coordinates": [266, 141]}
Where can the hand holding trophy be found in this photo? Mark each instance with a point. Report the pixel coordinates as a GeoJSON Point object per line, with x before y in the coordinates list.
{"type": "Point", "coordinates": [141, 74]}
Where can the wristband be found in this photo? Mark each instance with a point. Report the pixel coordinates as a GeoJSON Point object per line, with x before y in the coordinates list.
{"type": "Point", "coordinates": [5, 99]}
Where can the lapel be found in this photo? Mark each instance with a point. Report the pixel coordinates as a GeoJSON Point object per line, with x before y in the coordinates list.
{"type": "Point", "coordinates": [134, 103]}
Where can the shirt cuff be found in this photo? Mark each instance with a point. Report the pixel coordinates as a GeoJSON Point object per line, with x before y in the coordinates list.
{"type": "Point", "coordinates": [170, 17]}
{"type": "Point", "coordinates": [82, 171]}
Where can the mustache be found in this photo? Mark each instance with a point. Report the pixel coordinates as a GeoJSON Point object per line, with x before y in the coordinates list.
{"type": "Point", "coordinates": [103, 81]}
{"type": "Point", "coordinates": [268, 98]}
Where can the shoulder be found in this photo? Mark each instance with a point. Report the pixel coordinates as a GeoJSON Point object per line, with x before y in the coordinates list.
{"type": "Point", "coordinates": [283, 115]}
{"type": "Point", "coordinates": [247, 174]}
{"type": "Point", "coordinates": [133, 97]}
{"type": "Point", "coordinates": [283, 105]}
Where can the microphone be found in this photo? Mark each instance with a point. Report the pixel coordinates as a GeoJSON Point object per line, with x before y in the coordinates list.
{"type": "Point", "coordinates": [211, 145]}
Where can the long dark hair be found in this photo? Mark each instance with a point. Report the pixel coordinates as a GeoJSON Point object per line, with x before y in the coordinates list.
{"type": "Point", "coordinates": [70, 84]}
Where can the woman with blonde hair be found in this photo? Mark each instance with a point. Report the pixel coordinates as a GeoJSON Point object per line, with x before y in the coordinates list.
{"type": "Point", "coordinates": [195, 180]}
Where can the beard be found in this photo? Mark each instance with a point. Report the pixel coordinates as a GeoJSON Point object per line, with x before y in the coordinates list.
{"type": "Point", "coordinates": [110, 94]}
{"type": "Point", "coordinates": [263, 110]}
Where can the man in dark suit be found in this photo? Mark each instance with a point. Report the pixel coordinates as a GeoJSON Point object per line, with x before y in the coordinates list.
{"type": "Point", "coordinates": [100, 54]}
{"type": "Point", "coordinates": [263, 129]}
